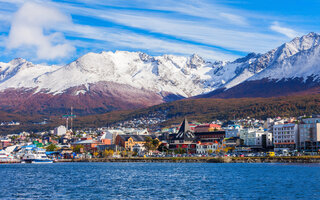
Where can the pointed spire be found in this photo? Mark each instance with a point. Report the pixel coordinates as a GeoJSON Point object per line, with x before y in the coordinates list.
{"type": "Point", "coordinates": [184, 128]}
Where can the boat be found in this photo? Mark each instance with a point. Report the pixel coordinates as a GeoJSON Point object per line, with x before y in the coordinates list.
{"type": "Point", "coordinates": [35, 155]}
{"type": "Point", "coordinates": [6, 157]}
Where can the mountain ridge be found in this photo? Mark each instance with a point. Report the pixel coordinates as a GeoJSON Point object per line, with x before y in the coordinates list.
{"type": "Point", "coordinates": [107, 81]}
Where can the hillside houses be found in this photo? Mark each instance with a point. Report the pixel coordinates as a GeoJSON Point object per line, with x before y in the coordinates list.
{"type": "Point", "coordinates": [214, 138]}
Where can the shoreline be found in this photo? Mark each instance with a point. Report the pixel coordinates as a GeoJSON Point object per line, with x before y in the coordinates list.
{"type": "Point", "coordinates": [300, 159]}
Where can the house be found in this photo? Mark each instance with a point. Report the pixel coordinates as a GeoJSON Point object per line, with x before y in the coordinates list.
{"type": "Point", "coordinates": [184, 139]}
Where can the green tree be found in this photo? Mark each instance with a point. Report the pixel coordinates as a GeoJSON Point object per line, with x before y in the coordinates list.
{"type": "Point", "coordinates": [180, 151]}
{"type": "Point", "coordinates": [51, 147]}
{"type": "Point", "coordinates": [151, 144]}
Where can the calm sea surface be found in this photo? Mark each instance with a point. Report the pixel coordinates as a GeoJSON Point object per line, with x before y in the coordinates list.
{"type": "Point", "coordinates": [159, 181]}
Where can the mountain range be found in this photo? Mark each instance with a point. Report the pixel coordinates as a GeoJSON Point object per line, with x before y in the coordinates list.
{"type": "Point", "coordinates": [107, 81]}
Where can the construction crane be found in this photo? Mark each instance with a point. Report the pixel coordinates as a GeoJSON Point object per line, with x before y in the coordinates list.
{"type": "Point", "coordinates": [71, 117]}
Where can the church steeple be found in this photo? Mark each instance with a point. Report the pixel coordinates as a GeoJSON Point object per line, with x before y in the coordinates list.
{"type": "Point", "coordinates": [184, 128]}
{"type": "Point", "coordinates": [185, 131]}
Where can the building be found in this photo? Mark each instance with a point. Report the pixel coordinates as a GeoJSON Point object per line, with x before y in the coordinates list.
{"type": "Point", "coordinates": [309, 134]}
{"type": "Point", "coordinates": [129, 141]}
{"type": "Point", "coordinates": [207, 128]}
{"type": "Point", "coordinates": [185, 139]}
{"type": "Point", "coordinates": [285, 136]}
{"type": "Point", "coordinates": [106, 138]}
{"type": "Point", "coordinates": [269, 123]}
{"type": "Point", "coordinates": [89, 145]}
{"type": "Point", "coordinates": [230, 144]}
{"type": "Point", "coordinates": [204, 148]}
{"type": "Point", "coordinates": [232, 131]}
{"type": "Point", "coordinates": [60, 130]}
{"type": "Point", "coordinates": [139, 148]}
{"type": "Point", "coordinates": [256, 138]}
{"type": "Point", "coordinates": [214, 136]}
{"type": "Point", "coordinates": [5, 142]}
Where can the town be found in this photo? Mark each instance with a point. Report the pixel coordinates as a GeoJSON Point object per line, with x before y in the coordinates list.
{"type": "Point", "coordinates": [237, 138]}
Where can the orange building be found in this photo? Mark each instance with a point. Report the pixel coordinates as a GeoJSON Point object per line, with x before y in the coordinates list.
{"type": "Point", "coordinates": [207, 128]}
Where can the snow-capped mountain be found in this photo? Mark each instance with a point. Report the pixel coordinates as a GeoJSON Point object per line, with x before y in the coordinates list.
{"type": "Point", "coordinates": [182, 76]}
{"type": "Point", "coordinates": [99, 82]}
{"type": "Point", "coordinates": [106, 81]}
{"type": "Point", "coordinates": [292, 67]}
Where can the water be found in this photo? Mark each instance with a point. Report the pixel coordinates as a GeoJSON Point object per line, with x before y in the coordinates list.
{"type": "Point", "coordinates": [159, 181]}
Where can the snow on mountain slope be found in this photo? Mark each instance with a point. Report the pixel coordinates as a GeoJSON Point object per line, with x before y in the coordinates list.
{"type": "Point", "coordinates": [164, 75]}
{"type": "Point", "coordinates": [183, 76]}
{"type": "Point", "coordinates": [299, 58]}
{"type": "Point", "coordinates": [292, 68]}
{"type": "Point", "coordinates": [20, 73]}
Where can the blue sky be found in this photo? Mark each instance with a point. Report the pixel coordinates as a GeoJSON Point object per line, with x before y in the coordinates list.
{"type": "Point", "coordinates": [59, 31]}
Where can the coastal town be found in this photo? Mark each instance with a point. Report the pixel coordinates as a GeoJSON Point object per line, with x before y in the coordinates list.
{"type": "Point", "coordinates": [235, 138]}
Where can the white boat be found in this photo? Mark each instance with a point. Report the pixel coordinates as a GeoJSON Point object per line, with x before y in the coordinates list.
{"type": "Point", "coordinates": [6, 157]}
{"type": "Point", "coordinates": [35, 155]}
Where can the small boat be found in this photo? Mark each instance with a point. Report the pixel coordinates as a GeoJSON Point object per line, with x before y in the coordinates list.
{"type": "Point", "coordinates": [35, 155]}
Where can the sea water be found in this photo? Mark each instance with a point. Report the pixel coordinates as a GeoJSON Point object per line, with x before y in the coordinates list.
{"type": "Point", "coordinates": [159, 181]}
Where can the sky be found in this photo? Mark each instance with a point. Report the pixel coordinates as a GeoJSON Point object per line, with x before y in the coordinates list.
{"type": "Point", "coordinates": [60, 31]}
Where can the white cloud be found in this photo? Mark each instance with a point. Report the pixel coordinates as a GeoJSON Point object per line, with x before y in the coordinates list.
{"type": "Point", "coordinates": [232, 39]}
{"type": "Point", "coordinates": [125, 39]}
{"type": "Point", "coordinates": [290, 33]}
{"type": "Point", "coordinates": [234, 19]}
{"type": "Point", "coordinates": [206, 27]}
{"type": "Point", "coordinates": [33, 26]}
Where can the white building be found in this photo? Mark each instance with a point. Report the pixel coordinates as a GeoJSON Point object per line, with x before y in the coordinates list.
{"type": "Point", "coordinates": [258, 138]}
{"type": "Point", "coordinates": [203, 148]}
{"type": "Point", "coordinates": [309, 134]}
{"type": "Point", "coordinates": [285, 136]}
{"type": "Point", "coordinates": [232, 131]}
{"type": "Point", "coordinates": [60, 130]}
{"type": "Point", "coordinates": [139, 148]}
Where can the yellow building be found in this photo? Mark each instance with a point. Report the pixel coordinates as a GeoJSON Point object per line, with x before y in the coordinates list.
{"type": "Point", "coordinates": [129, 141]}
